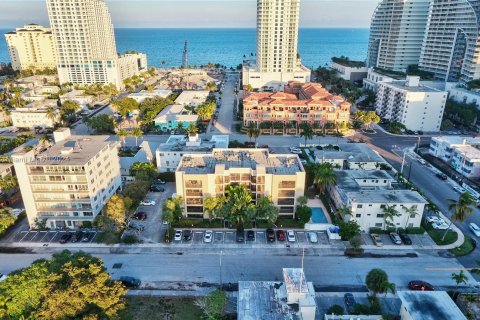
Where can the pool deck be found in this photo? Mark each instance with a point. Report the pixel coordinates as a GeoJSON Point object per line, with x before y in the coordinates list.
{"type": "Point", "coordinates": [317, 203]}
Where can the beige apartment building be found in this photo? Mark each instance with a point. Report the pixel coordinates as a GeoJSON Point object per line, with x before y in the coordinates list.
{"type": "Point", "coordinates": [69, 183]}
{"type": "Point", "coordinates": [279, 176]}
{"type": "Point", "coordinates": [31, 47]}
{"type": "Point", "coordinates": [32, 117]}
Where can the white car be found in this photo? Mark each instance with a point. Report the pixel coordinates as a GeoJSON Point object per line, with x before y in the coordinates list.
{"type": "Point", "coordinates": [440, 226]}
{"type": "Point", "coordinates": [290, 236]}
{"type": "Point", "coordinates": [178, 235]}
{"type": "Point", "coordinates": [475, 229]}
{"type": "Point", "coordinates": [147, 203]}
{"type": "Point", "coordinates": [17, 212]}
{"type": "Point", "coordinates": [433, 219]}
{"type": "Point", "coordinates": [207, 237]}
{"type": "Point", "coordinates": [459, 189]}
{"type": "Point", "coordinates": [422, 161]}
{"type": "Point", "coordinates": [2, 277]}
{"type": "Point", "coordinates": [312, 236]}
{"type": "Point", "coordinates": [295, 150]}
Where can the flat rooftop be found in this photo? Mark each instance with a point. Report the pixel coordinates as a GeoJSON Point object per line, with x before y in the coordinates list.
{"type": "Point", "coordinates": [287, 164]}
{"type": "Point", "coordinates": [420, 88]}
{"type": "Point", "coordinates": [75, 150]}
{"type": "Point", "coordinates": [387, 196]}
{"type": "Point", "coordinates": [174, 111]}
{"type": "Point", "coordinates": [179, 143]}
{"type": "Point", "coordinates": [353, 152]}
{"type": "Point", "coordinates": [430, 305]}
{"type": "Point", "coordinates": [458, 140]}
{"type": "Point", "coordinates": [470, 152]}
{"type": "Point", "coordinates": [192, 97]}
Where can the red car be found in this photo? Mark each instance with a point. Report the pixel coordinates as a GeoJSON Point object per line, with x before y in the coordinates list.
{"type": "Point", "coordinates": [281, 235]}
{"type": "Point", "coordinates": [140, 216]}
{"type": "Point", "coordinates": [418, 285]}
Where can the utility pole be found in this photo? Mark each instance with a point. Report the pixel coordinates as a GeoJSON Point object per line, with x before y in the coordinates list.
{"type": "Point", "coordinates": [221, 282]}
{"type": "Point", "coordinates": [403, 162]}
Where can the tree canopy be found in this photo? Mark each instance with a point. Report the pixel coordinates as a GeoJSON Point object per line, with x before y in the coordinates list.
{"type": "Point", "coordinates": [125, 106]}
{"type": "Point", "coordinates": [144, 171]}
{"type": "Point", "coordinates": [377, 282]}
{"type": "Point", "coordinates": [101, 124]}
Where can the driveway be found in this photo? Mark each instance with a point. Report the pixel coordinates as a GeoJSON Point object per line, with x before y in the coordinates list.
{"type": "Point", "coordinates": [225, 115]}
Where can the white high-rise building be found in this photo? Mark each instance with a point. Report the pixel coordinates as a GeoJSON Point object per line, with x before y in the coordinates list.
{"type": "Point", "coordinates": [31, 47]}
{"type": "Point", "coordinates": [451, 48]}
{"type": "Point", "coordinates": [277, 60]}
{"type": "Point", "coordinates": [396, 34]}
{"type": "Point", "coordinates": [85, 41]}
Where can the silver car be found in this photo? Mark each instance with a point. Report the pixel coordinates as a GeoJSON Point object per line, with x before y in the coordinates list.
{"type": "Point", "coordinates": [207, 237]}
{"type": "Point", "coordinates": [312, 236]}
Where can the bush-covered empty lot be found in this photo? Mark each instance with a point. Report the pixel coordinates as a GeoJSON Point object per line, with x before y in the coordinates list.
{"type": "Point", "coordinates": [152, 308]}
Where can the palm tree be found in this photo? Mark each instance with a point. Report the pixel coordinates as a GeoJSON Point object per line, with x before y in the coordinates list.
{"type": "Point", "coordinates": [192, 129]}
{"type": "Point", "coordinates": [459, 278]}
{"type": "Point", "coordinates": [377, 282]}
{"type": "Point", "coordinates": [44, 140]}
{"type": "Point", "coordinates": [307, 132]}
{"type": "Point", "coordinates": [323, 176]}
{"type": "Point", "coordinates": [266, 210]}
{"type": "Point", "coordinates": [389, 214]}
{"type": "Point", "coordinates": [462, 208]}
{"type": "Point", "coordinates": [51, 114]}
{"type": "Point", "coordinates": [180, 126]}
{"type": "Point", "coordinates": [122, 134]}
{"type": "Point", "coordinates": [411, 213]}
{"type": "Point", "coordinates": [137, 133]}
{"type": "Point", "coordinates": [238, 205]}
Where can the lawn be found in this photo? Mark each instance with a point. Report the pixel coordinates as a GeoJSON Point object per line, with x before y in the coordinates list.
{"type": "Point", "coordinates": [464, 249]}
{"type": "Point", "coordinates": [152, 308]}
{"type": "Point", "coordinates": [437, 235]}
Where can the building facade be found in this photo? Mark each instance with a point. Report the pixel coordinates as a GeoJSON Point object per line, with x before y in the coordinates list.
{"type": "Point", "coordinates": [451, 48]}
{"type": "Point", "coordinates": [350, 71]}
{"type": "Point", "coordinates": [277, 60]}
{"type": "Point", "coordinates": [375, 76]}
{"type": "Point", "coordinates": [172, 116]}
{"type": "Point", "coordinates": [85, 44]}
{"type": "Point", "coordinates": [416, 106]}
{"type": "Point", "coordinates": [396, 34]}
{"type": "Point", "coordinates": [34, 117]}
{"type": "Point", "coordinates": [70, 183]}
{"type": "Point", "coordinates": [31, 47]}
{"type": "Point", "coordinates": [280, 177]}
{"type": "Point", "coordinates": [299, 103]}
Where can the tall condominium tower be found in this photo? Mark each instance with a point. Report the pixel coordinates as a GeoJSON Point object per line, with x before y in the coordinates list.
{"type": "Point", "coordinates": [277, 46]}
{"type": "Point", "coordinates": [31, 47]}
{"type": "Point", "coordinates": [396, 34]}
{"type": "Point", "coordinates": [451, 48]}
{"type": "Point", "coordinates": [85, 41]}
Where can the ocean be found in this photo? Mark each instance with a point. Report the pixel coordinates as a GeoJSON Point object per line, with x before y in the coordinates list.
{"type": "Point", "coordinates": [228, 46]}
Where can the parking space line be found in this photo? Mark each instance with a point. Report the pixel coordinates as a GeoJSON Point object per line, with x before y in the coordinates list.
{"type": "Point", "coordinates": [46, 233]}
{"type": "Point", "coordinates": [54, 236]}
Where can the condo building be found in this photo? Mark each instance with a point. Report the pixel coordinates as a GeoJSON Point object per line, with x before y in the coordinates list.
{"type": "Point", "coordinates": [31, 47]}
{"type": "Point", "coordinates": [299, 103]}
{"type": "Point", "coordinates": [280, 177]}
{"type": "Point", "coordinates": [277, 60]}
{"type": "Point", "coordinates": [451, 48]}
{"type": "Point", "coordinates": [69, 183]}
{"type": "Point", "coordinates": [396, 34]}
{"type": "Point", "coordinates": [416, 106]}
{"type": "Point", "coordinates": [85, 43]}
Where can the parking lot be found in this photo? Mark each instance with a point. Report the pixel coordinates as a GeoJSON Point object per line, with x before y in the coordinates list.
{"type": "Point", "coordinates": [418, 240]}
{"type": "Point", "coordinates": [229, 237]}
{"type": "Point", "coordinates": [51, 236]}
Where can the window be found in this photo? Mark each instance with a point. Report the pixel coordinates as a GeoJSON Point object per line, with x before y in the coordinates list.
{"type": "Point", "coordinates": [380, 215]}
{"type": "Point", "coordinates": [378, 225]}
{"type": "Point", "coordinates": [358, 215]}
{"type": "Point", "coordinates": [359, 206]}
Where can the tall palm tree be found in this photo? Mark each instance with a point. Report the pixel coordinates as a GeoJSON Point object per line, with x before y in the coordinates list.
{"type": "Point", "coordinates": [180, 126]}
{"type": "Point", "coordinates": [122, 134]}
{"type": "Point", "coordinates": [462, 208]}
{"type": "Point", "coordinates": [250, 129]}
{"type": "Point", "coordinates": [323, 176]}
{"type": "Point", "coordinates": [192, 129]}
{"type": "Point", "coordinates": [411, 213]}
{"type": "Point", "coordinates": [389, 214]}
{"type": "Point", "coordinates": [45, 140]}
{"type": "Point", "coordinates": [137, 133]}
{"type": "Point", "coordinates": [307, 132]}
{"type": "Point", "coordinates": [51, 114]}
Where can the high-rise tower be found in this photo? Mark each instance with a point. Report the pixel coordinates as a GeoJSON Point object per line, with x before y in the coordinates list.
{"type": "Point", "coordinates": [85, 43]}
{"type": "Point", "coordinates": [277, 46]}
{"type": "Point", "coordinates": [396, 34]}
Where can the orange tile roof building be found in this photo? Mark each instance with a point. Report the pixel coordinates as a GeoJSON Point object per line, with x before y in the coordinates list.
{"type": "Point", "coordinates": [299, 103]}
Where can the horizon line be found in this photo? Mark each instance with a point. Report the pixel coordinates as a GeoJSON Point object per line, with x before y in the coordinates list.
{"type": "Point", "coordinates": [219, 27]}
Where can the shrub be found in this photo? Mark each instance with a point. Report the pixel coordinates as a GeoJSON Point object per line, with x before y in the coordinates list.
{"type": "Point", "coordinates": [336, 310]}
{"type": "Point", "coordinates": [375, 230]}
{"type": "Point", "coordinates": [130, 239]}
{"type": "Point", "coordinates": [107, 237]}
{"type": "Point", "coordinates": [167, 176]}
{"type": "Point", "coordinates": [169, 235]}
{"type": "Point", "coordinates": [418, 230]}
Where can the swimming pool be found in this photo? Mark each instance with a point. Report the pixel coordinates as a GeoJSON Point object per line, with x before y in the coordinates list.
{"type": "Point", "coordinates": [318, 216]}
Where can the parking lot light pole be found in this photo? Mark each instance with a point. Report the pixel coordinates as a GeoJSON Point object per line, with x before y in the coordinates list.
{"type": "Point", "coordinates": [221, 282]}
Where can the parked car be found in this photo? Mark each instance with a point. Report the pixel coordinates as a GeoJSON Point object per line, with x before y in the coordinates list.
{"type": "Point", "coordinates": [475, 229]}
{"type": "Point", "coordinates": [349, 302]}
{"type": "Point", "coordinates": [442, 176]}
{"type": "Point", "coordinates": [291, 236]}
{"type": "Point", "coordinates": [250, 235]}
{"type": "Point", "coordinates": [433, 219]}
{"type": "Point", "coordinates": [281, 235]}
{"type": "Point", "coordinates": [147, 203]}
{"type": "Point", "coordinates": [419, 285]}
{"type": "Point", "coordinates": [296, 150]}
{"type": "Point", "coordinates": [130, 282]}
{"type": "Point", "coordinates": [159, 181]}
{"type": "Point", "coordinates": [270, 235]}
{"type": "Point", "coordinates": [377, 240]}
{"type": "Point", "coordinates": [157, 189]}
{"type": "Point", "coordinates": [440, 225]}
{"type": "Point", "coordinates": [208, 236]}
{"type": "Point", "coordinates": [312, 236]}
{"type": "Point", "coordinates": [66, 237]}
{"type": "Point", "coordinates": [422, 161]}
{"type": "Point", "coordinates": [187, 235]}
{"type": "Point", "coordinates": [140, 216]}
{"type": "Point", "coordinates": [136, 226]}
{"type": "Point", "coordinates": [240, 236]}
{"type": "Point", "coordinates": [405, 238]}
{"type": "Point", "coordinates": [458, 189]}
{"type": "Point", "coordinates": [395, 238]}
{"type": "Point", "coordinates": [77, 236]}
{"type": "Point", "coordinates": [87, 236]}
{"type": "Point", "coordinates": [178, 235]}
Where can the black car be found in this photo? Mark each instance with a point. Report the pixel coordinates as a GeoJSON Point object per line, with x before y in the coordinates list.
{"type": "Point", "coordinates": [250, 235]}
{"type": "Point", "coordinates": [187, 235]}
{"type": "Point", "coordinates": [65, 238]}
{"type": "Point", "coordinates": [77, 236]}
{"type": "Point", "coordinates": [240, 236]}
{"type": "Point", "coordinates": [270, 235]}
{"type": "Point", "coordinates": [405, 238]}
{"type": "Point", "coordinates": [442, 176]}
{"type": "Point", "coordinates": [349, 301]}
{"type": "Point", "coordinates": [130, 282]}
{"type": "Point", "coordinates": [157, 189]}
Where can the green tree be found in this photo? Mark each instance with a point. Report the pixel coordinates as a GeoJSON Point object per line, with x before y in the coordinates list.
{"type": "Point", "coordinates": [192, 129]}
{"type": "Point", "coordinates": [462, 208]}
{"type": "Point", "coordinates": [389, 214]}
{"type": "Point", "coordinates": [348, 230]}
{"type": "Point", "coordinates": [411, 213]}
{"type": "Point", "coordinates": [206, 110]}
{"type": "Point", "coordinates": [459, 278]}
{"type": "Point", "coordinates": [8, 183]}
{"type": "Point", "coordinates": [251, 130]}
{"type": "Point", "coordinates": [102, 124]}
{"type": "Point", "coordinates": [172, 209]}
{"type": "Point", "coordinates": [68, 110]}
{"type": "Point", "coordinates": [180, 126]}
{"type": "Point", "coordinates": [356, 243]}
{"type": "Point", "coordinates": [136, 191]}
{"type": "Point", "coordinates": [136, 133]}
{"type": "Point", "coordinates": [122, 134]}
{"type": "Point", "coordinates": [125, 105]}
{"type": "Point", "coordinates": [303, 213]}
{"type": "Point", "coordinates": [51, 114]}
{"type": "Point", "coordinates": [377, 282]}
{"type": "Point", "coordinates": [116, 210]}
{"type": "Point", "coordinates": [323, 176]}
{"type": "Point", "coordinates": [211, 204]}
{"type": "Point", "coordinates": [144, 171]}
{"type": "Point", "coordinates": [211, 86]}
{"type": "Point", "coordinates": [266, 210]}
{"type": "Point", "coordinates": [336, 310]}
{"type": "Point", "coordinates": [213, 305]}
{"type": "Point", "coordinates": [238, 205]}
{"type": "Point", "coordinates": [7, 219]}
{"type": "Point", "coordinates": [68, 286]}
{"type": "Point", "coordinates": [307, 132]}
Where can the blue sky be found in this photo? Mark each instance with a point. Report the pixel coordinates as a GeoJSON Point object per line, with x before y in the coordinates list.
{"type": "Point", "coordinates": [198, 13]}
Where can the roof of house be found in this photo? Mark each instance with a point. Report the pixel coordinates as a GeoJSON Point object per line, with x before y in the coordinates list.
{"type": "Point", "coordinates": [457, 140]}
{"type": "Point", "coordinates": [192, 97]}
{"type": "Point", "coordinates": [430, 305]}
{"type": "Point", "coordinates": [352, 152]}
{"type": "Point", "coordinates": [175, 112]}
